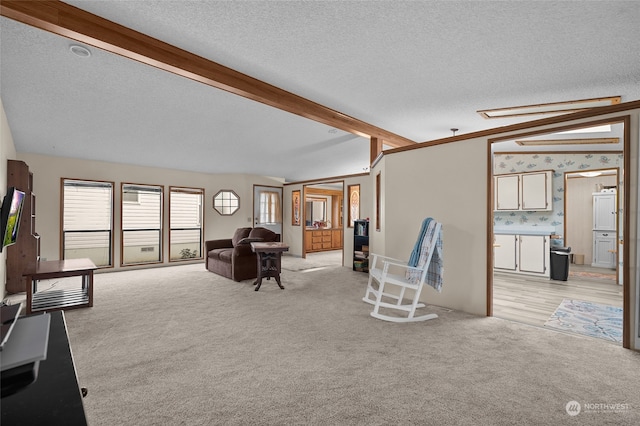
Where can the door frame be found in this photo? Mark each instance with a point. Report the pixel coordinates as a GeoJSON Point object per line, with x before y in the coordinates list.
{"type": "Point", "coordinates": [618, 210]}
{"type": "Point", "coordinates": [303, 210]}
{"type": "Point", "coordinates": [625, 120]}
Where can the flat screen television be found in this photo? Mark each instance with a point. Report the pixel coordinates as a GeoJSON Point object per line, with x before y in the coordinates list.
{"type": "Point", "coordinates": [10, 216]}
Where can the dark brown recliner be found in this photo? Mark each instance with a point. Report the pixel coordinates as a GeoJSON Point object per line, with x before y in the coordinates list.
{"type": "Point", "coordinates": [233, 257]}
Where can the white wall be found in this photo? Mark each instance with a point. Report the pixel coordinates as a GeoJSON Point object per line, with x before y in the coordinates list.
{"type": "Point", "coordinates": [7, 152]}
{"type": "Point", "coordinates": [448, 183]}
{"type": "Point", "coordinates": [47, 172]}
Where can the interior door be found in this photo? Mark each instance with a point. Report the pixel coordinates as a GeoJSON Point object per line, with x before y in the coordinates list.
{"type": "Point", "coordinates": [267, 208]}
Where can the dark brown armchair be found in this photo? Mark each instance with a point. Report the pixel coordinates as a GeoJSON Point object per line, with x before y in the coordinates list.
{"type": "Point", "coordinates": [233, 257]}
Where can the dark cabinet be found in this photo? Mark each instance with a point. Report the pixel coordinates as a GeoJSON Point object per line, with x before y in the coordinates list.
{"type": "Point", "coordinates": [23, 255]}
{"type": "Point", "coordinates": [361, 245]}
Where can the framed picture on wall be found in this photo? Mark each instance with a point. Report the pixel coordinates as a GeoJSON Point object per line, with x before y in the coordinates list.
{"type": "Point", "coordinates": [354, 204]}
{"type": "Point", "coordinates": [295, 208]}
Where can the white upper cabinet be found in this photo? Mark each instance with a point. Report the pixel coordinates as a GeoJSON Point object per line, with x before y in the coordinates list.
{"type": "Point", "coordinates": [536, 191]}
{"type": "Point", "coordinates": [508, 192]}
{"type": "Point", "coordinates": [524, 191]}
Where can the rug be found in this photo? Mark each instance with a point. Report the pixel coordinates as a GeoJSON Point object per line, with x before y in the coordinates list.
{"type": "Point", "coordinates": [589, 319]}
{"type": "Point", "coordinates": [598, 275]}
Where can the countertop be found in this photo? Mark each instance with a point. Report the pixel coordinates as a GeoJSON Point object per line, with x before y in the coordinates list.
{"type": "Point", "coordinates": [524, 230]}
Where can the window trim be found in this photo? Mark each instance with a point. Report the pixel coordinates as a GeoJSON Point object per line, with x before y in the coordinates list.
{"type": "Point", "coordinates": [105, 183]}
{"type": "Point", "coordinates": [142, 186]}
{"type": "Point", "coordinates": [223, 191]}
{"type": "Point", "coordinates": [188, 190]}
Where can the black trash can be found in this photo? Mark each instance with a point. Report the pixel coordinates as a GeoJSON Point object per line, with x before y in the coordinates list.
{"type": "Point", "coordinates": [560, 263]}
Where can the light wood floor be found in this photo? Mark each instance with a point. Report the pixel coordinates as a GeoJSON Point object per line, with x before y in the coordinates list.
{"type": "Point", "coordinates": [532, 300]}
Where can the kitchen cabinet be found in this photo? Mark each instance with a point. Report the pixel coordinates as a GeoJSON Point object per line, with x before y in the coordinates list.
{"type": "Point", "coordinates": [524, 191]}
{"type": "Point", "coordinates": [504, 252]}
{"type": "Point", "coordinates": [604, 250]}
{"type": "Point", "coordinates": [523, 254]}
{"type": "Point", "coordinates": [604, 229]}
{"type": "Point", "coordinates": [604, 211]}
{"type": "Point", "coordinates": [533, 254]}
{"type": "Point", "coordinates": [507, 192]}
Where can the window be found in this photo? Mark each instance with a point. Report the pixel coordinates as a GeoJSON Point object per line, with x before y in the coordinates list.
{"type": "Point", "coordinates": [270, 211]}
{"type": "Point", "coordinates": [226, 202]}
{"type": "Point", "coordinates": [185, 223]}
{"type": "Point", "coordinates": [141, 224]}
{"type": "Point", "coordinates": [87, 221]}
{"type": "Point", "coordinates": [354, 204]}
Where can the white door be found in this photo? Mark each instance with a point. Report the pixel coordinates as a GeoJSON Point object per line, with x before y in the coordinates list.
{"type": "Point", "coordinates": [504, 252]}
{"type": "Point", "coordinates": [507, 192]}
{"type": "Point", "coordinates": [267, 208]}
{"type": "Point", "coordinates": [533, 253]}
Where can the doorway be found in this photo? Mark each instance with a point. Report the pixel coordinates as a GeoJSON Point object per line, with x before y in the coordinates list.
{"type": "Point", "coordinates": [267, 208]}
{"type": "Point", "coordinates": [323, 213]}
{"type": "Point", "coordinates": [537, 299]}
{"type": "Point", "coordinates": [592, 222]}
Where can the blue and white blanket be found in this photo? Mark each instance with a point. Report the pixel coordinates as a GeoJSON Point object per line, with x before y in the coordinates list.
{"type": "Point", "coordinates": [427, 243]}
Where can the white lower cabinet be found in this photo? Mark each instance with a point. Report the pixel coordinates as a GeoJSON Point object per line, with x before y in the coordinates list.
{"type": "Point", "coordinates": [604, 249]}
{"type": "Point", "coordinates": [504, 252]}
{"type": "Point", "coordinates": [525, 254]}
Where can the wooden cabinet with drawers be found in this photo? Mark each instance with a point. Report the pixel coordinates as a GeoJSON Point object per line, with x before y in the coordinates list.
{"type": "Point", "coordinates": [323, 239]}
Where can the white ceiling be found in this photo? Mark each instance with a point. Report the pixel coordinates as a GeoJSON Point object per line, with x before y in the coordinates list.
{"type": "Point", "coordinates": [415, 68]}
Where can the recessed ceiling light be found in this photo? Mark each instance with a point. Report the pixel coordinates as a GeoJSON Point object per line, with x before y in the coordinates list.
{"type": "Point", "coordinates": [81, 51]}
{"type": "Point", "coordinates": [550, 108]}
{"type": "Point", "coordinates": [595, 129]}
{"type": "Point", "coordinates": [590, 174]}
{"type": "Point", "coordinates": [538, 142]}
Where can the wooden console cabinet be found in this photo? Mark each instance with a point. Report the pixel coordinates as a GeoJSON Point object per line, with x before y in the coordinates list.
{"type": "Point", "coordinates": [323, 240]}
{"type": "Point", "coordinates": [23, 255]}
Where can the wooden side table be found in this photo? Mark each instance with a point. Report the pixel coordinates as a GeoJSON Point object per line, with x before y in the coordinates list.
{"type": "Point", "coordinates": [269, 256]}
{"type": "Point", "coordinates": [60, 299]}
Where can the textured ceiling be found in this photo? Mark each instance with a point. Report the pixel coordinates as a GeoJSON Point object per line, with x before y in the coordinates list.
{"type": "Point", "coordinates": [417, 69]}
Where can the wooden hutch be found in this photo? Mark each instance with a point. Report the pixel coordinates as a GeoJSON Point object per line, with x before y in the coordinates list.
{"type": "Point", "coordinates": [23, 255]}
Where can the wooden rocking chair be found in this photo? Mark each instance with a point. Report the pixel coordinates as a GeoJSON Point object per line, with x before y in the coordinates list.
{"type": "Point", "coordinates": [385, 271]}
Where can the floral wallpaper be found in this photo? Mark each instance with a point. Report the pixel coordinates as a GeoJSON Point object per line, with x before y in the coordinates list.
{"type": "Point", "coordinates": [560, 163]}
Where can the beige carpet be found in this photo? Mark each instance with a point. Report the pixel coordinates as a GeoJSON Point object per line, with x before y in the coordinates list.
{"type": "Point", "coordinates": [312, 261]}
{"type": "Point", "coordinates": [182, 346]}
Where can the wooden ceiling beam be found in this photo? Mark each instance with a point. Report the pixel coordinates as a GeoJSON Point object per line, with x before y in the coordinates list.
{"type": "Point", "coordinates": [74, 23]}
{"type": "Point", "coordinates": [375, 149]}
